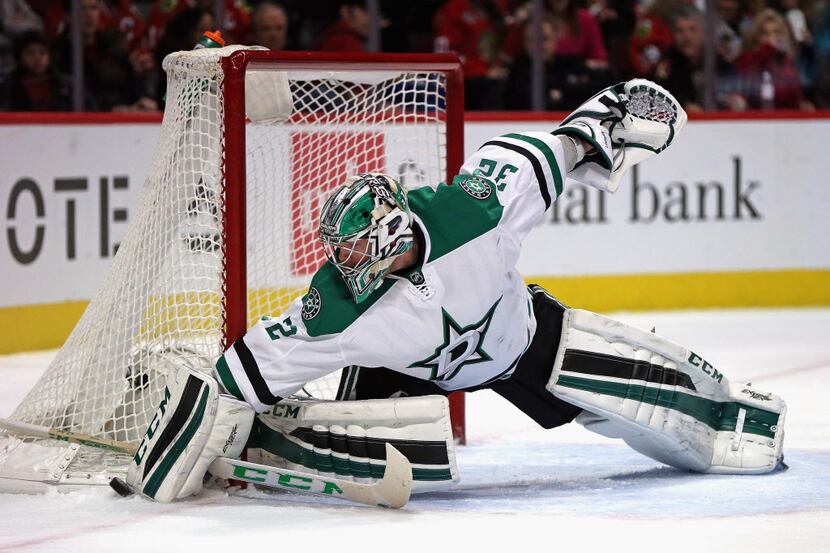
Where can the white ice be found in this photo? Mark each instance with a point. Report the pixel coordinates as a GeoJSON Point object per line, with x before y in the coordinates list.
{"type": "Point", "coordinates": [523, 489]}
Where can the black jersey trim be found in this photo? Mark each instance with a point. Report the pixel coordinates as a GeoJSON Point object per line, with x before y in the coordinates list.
{"type": "Point", "coordinates": [347, 381]}
{"type": "Point", "coordinates": [246, 358]}
{"type": "Point", "coordinates": [534, 162]}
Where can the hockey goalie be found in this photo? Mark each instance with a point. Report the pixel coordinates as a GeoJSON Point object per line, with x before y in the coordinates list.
{"type": "Point", "coordinates": [420, 296]}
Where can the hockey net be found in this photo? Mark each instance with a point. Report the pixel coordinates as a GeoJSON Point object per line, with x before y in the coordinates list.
{"type": "Point", "coordinates": [225, 230]}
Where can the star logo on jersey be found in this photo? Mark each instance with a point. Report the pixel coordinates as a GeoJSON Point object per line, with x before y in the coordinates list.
{"type": "Point", "coordinates": [476, 188]}
{"type": "Point", "coordinates": [462, 346]}
{"type": "Point", "coordinates": [312, 302]}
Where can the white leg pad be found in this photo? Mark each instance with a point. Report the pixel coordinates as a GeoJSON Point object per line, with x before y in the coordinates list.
{"type": "Point", "coordinates": [193, 425]}
{"type": "Point", "coordinates": [664, 400]}
{"type": "Point", "coordinates": [348, 438]}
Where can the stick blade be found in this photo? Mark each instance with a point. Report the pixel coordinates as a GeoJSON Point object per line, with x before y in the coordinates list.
{"type": "Point", "coordinates": [394, 489]}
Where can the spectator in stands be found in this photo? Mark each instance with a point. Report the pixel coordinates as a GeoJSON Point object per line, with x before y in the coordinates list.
{"type": "Point", "coordinates": [734, 18]}
{"type": "Point", "coordinates": [7, 63]}
{"type": "Point", "coordinates": [681, 70]}
{"type": "Point", "coordinates": [161, 12]}
{"type": "Point", "coordinates": [478, 31]}
{"type": "Point", "coordinates": [183, 31]}
{"type": "Point", "coordinates": [582, 36]}
{"type": "Point", "coordinates": [568, 79]}
{"type": "Point", "coordinates": [18, 17]}
{"type": "Point", "coordinates": [36, 85]}
{"type": "Point", "coordinates": [237, 18]}
{"type": "Point", "coordinates": [616, 20]}
{"type": "Point", "coordinates": [805, 51]}
{"type": "Point", "coordinates": [234, 28]}
{"type": "Point", "coordinates": [796, 20]}
{"type": "Point", "coordinates": [651, 39]}
{"type": "Point", "coordinates": [55, 16]}
{"type": "Point", "coordinates": [821, 34]}
{"type": "Point", "coordinates": [125, 17]}
{"type": "Point", "coordinates": [769, 76]}
{"type": "Point", "coordinates": [349, 32]}
{"type": "Point", "coordinates": [269, 26]}
{"type": "Point", "coordinates": [409, 26]}
{"type": "Point", "coordinates": [111, 79]}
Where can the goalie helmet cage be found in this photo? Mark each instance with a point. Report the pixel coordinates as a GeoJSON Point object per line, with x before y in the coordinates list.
{"type": "Point", "coordinates": [224, 233]}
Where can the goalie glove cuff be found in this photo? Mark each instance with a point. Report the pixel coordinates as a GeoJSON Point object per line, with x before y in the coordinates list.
{"type": "Point", "coordinates": [589, 131]}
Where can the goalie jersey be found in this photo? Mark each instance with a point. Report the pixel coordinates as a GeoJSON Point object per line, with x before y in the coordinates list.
{"type": "Point", "coordinates": [461, 317]}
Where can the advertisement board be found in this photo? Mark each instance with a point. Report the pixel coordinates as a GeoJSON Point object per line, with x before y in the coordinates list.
{"type": "Point", "coordinates": [733, 214]}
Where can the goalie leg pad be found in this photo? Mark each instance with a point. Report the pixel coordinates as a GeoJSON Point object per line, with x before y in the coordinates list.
{"type": "Point", "coordinates": [192, 426]}
{"type": "Point", "coordinates": [348, 438]}
{"type": "Point", "coordinates": [664, 400]}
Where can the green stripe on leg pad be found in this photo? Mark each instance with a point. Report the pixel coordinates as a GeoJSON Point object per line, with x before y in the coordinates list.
{"type": "Point", "coordinates": [721, 416]}
{"type": "Point", "coordinates": [175, 452]}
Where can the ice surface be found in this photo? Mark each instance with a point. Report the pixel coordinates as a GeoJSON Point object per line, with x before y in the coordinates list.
{"type": "Point", "coordinates": [523, 488]}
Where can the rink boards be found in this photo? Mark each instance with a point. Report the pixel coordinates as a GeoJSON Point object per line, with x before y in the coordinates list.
{"type": "Point", "coordinates": [733, 214]}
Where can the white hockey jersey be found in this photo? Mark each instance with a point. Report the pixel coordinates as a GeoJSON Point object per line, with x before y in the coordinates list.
{"type": "Point", "coordinates": [461, 318]}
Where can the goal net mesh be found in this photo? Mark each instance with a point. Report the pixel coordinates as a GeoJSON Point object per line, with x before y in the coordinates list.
{"type": "Point", "coordinates": [161, 305]}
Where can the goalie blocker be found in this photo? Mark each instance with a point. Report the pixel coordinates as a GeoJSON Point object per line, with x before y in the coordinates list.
{"type": "Point", "coordinates": [192, 426]}
{"type": "Point", "coordinates": [195, 424]}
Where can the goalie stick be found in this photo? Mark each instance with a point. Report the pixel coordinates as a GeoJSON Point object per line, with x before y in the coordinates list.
{"type": "Point", "coordinates": [393, 490]}
{"type": "Point", "coordinates": [35, 431]}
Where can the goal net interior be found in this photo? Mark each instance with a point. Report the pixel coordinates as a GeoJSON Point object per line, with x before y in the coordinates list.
{"type": "Point", "coordinates": [226, 231]}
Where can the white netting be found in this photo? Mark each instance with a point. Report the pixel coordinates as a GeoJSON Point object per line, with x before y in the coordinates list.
{"type": "Point", "coordinates": [161, 304]}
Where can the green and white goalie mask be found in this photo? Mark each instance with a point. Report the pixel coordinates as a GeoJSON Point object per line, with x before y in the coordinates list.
{"type": "Point", "coordinates": [364, 226]}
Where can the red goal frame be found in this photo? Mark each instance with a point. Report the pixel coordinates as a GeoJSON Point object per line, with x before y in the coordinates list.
{"type": "Point", "coordinates": [234, 163]}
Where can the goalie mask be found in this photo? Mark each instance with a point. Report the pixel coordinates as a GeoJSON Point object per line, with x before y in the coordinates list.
{"type": "Point", "coordinates": [364, 226]}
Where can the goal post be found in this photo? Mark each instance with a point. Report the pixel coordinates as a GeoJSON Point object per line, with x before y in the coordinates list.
{"type": "Point", "coordinates": [251, 143]}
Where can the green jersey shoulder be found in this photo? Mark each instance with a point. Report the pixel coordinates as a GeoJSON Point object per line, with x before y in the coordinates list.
{"type": "Point", "coordinates": [328, 307]}
{"type": "Point", "coordinates": [457, 213]}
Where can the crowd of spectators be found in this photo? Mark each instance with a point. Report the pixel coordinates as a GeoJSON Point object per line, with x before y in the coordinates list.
{"type": "Point", "coordinates": [770, 54]}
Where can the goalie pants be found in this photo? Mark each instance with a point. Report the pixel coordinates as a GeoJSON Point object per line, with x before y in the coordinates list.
{"type": "Point", "coordinates": [525, 388]}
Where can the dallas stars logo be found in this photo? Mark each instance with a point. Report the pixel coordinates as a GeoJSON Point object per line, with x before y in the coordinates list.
{"type": "Point", "coordinates": [476, 188]}
{"type": "Point", "coordinates": [311, 304]}
{"type": "Point", "coordinates": [462, 346]}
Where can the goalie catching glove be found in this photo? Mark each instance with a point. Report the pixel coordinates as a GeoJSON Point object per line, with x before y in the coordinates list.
{"type": "Point", "coordinates": [625, 124]}
{"type": "Point", "coordinates": [193, 425]}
